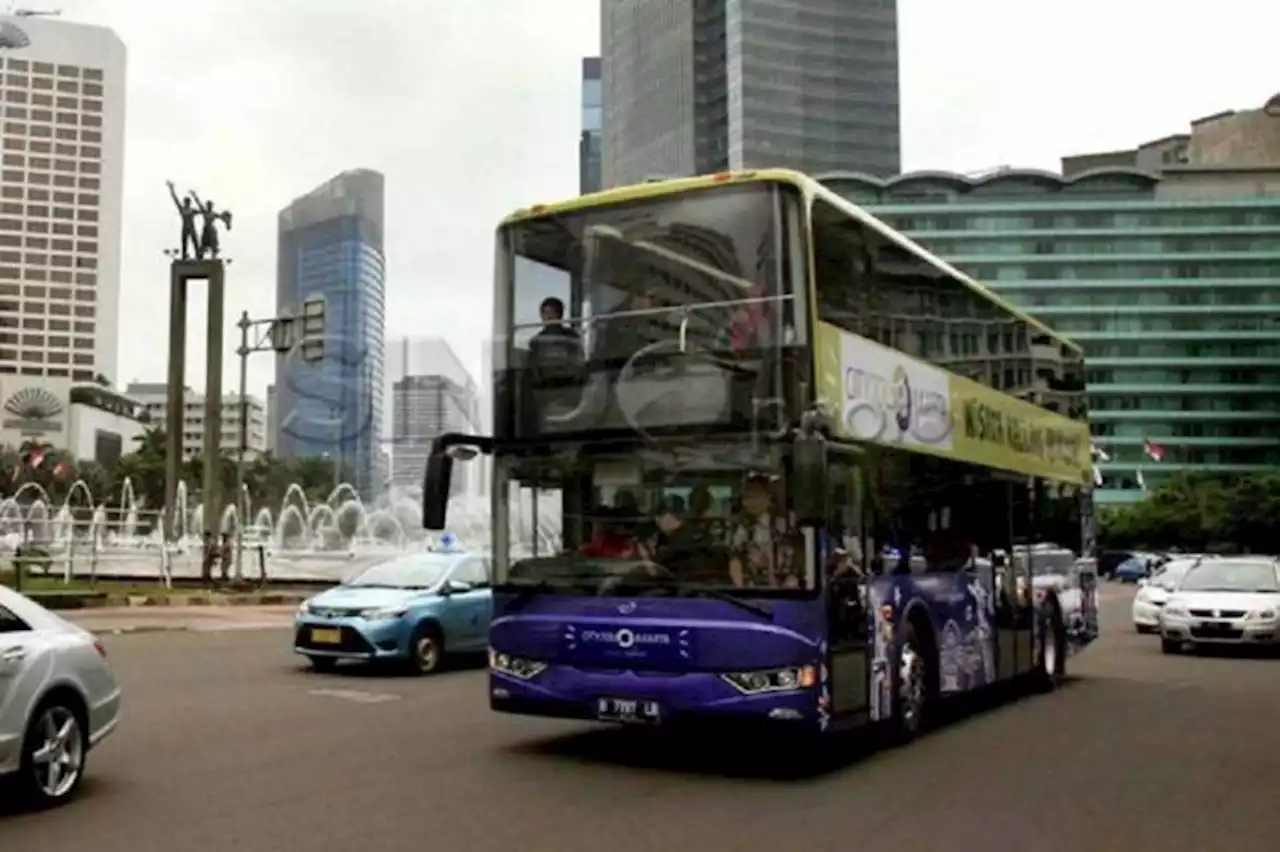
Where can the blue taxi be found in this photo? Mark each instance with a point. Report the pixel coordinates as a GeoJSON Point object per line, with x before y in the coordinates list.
{"type": "Point", "coordinates": [413, 609]}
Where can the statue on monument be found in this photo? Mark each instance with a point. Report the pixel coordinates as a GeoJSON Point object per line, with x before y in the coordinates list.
{"type": "Point", "coordinates": [190, 245]}
{"type": "Point", "coordinates": [206, 245]}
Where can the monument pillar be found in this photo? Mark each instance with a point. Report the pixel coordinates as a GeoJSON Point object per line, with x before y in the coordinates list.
{"type": "Point", "coordinates": [181, 273]}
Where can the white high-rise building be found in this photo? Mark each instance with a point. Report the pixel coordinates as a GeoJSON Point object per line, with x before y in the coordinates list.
{"type": "Point", "coordinates": [62, 87]}
{"type": "Point", "coordinates": [154, 399]}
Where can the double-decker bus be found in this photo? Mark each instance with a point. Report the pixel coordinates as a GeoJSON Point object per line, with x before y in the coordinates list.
{"type": "Point", "coordinates": [757, 456]}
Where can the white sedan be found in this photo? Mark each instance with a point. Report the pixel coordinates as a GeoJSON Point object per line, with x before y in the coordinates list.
{"type": "Point", "coordinates": [1224, 601]}
{"type": "Point", "coordinates": [58, 699]}
{"type": "Point", "coordinates": [1154, 593]}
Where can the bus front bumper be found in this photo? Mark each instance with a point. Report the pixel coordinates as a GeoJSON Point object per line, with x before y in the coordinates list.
{"type": "Point", "coordinates": [569, 692]}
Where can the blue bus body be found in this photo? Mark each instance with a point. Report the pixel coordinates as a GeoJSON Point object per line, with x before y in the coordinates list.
{"type": "Point", "coordinates": [658, 660]}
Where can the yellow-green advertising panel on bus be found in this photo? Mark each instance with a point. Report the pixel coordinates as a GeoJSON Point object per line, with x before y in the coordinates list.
{"type": "Point", "coordinates": [879, 394]}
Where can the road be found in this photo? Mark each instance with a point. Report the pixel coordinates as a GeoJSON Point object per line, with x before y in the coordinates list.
{"type": "Point", "coordinates": [230, 744]}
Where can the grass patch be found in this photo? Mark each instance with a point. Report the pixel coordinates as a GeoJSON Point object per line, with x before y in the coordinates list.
{"type": "Point", "coordinates": [41, 584]}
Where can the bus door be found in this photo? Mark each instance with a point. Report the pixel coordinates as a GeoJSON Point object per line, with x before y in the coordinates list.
{"type": "Point", "coordinates": [845, 582]}
{"type": "Point", "coordinates": [1016, 616]}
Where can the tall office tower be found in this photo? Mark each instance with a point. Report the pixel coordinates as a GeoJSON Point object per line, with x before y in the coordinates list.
{"type": "Point", "coordinates": [63, 92]}
{"type": "Point", "coordinates": [426, 407]}
{"type": "Point", "coordinates": [589, 142]}
{"type": "Point", "coordinates": [698, 86]}
{"type": "Point", "coordinates": [331, 246]}
{"type": "Point", "coordinates": [428, 392]}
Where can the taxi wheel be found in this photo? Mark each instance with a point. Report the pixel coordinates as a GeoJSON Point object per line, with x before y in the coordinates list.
{"type": "Point", "coordinates": [1170, 646]}
{"type": "Point", "coordinates": [426, 649]}
{"type": "Point", "coordinates": [322, 664]}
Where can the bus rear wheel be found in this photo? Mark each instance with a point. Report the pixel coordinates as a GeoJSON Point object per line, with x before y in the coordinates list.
{"type": "Point", "coordinates": [1051, 660]}
{"type": "Point", "coordinates": [911, 679]}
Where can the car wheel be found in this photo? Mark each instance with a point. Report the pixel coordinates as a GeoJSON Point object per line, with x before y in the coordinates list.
{"type": "Point", "coordinates": [426, 649]}
{"type": "Point", "coordinates": [53, 754]}
{"type": "Point", "coordinates": [1142, 628]}
{"type": "Point", "coordinates": [1170, 646]}
{"type": "Point", "coordinates": [1051, 659]}
{"type": "Point", "coordinates": [322, 664]}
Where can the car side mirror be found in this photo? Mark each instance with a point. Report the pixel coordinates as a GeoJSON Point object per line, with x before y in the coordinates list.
{"type": "Point", "coordinates": [455, 587]}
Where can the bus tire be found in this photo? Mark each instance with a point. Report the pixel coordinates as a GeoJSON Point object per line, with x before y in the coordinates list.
{"type": "Point", "coordinates": [912, 682]}
{"type": "Point", "coordinates": [1051, 658]}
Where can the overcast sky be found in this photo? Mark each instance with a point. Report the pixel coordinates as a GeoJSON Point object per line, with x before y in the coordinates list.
{"type": "Point", "coordinates": [471, 108]}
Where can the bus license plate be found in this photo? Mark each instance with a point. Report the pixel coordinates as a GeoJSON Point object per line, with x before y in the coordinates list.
{"type": "Point", "coordinates": [631, 710]}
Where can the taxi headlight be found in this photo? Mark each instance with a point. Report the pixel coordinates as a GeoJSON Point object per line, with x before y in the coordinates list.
{"type": "Point", "coordinates": [385, 613]}
{"type": "Point", "coordinates": [1263, 615]}
{"type": "Point", "coordinates": [517, 667]}
{"type": "Point", "coordinates": [1176, 610]}
{"type": "Point", "coordinates": [772, 680]}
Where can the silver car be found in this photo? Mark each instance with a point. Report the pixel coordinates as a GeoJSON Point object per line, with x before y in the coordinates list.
{"type": "Point", "coordinates": [1224, 601]}
{"type": "Point", "coordinates": [58, 699]}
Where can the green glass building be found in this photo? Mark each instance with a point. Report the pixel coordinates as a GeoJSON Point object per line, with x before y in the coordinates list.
{"type": "Point", "coordinates": [1170, 281]}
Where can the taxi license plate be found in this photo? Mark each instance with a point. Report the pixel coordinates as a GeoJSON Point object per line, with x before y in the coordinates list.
{"type": "Point", "coordinates": [631, 710]}
{"type": "Point", "coordinates": [326, 636]}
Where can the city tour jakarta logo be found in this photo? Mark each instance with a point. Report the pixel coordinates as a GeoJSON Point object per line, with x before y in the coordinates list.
{"type": "Point", "coordinates": [625, 639]}
{"type": "Point", "coordinates": [884, 405]}
{"type": "Point", "coordinates": [33, 410]}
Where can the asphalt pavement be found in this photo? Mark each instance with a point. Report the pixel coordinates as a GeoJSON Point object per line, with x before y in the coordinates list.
{"type": "Point", "coordinates": [229, 743]}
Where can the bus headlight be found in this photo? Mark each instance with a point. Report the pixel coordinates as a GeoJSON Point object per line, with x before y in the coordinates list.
{"type": "Point", "coordinates": [772, 680]}
{"type": "Point", "coordinates": [517, 667]}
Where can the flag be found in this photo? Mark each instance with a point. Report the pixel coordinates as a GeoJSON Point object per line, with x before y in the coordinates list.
{"type": "Point", "coordinates": [36, 459]}
{"type": "Point", "coordinates": [1154, 450]}
{"type": "Point", "coordinates": [1142, 483]}
{"type": "Point", "coordinates": [1100, 454]}
{"type": "Point", "coordinates": [61, 470]}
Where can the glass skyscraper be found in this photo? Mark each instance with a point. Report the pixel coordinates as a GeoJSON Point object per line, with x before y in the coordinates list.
{"type": "Point", "coordinates": [1170, 281]}
{"type": "Point", "coordinates": [589, 142]}
{"type": "Point", "coordinates": [699, 86]}
{"type": "Point", "coordinates": [331, 245]}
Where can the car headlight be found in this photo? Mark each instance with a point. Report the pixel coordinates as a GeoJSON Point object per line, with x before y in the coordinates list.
{"type": "Point", "coordinates": [517, 667]}
{"type": "Point", "coordinates": [1176, 611]}
{"type": "Point", "coordinates": [1263, 615]}
{"type": "Point", "coordinates": [772, 680]}
{"type": "Point", "coordinates": [383, 613]}
{"type": "Point", "coordinates": [304, 608]}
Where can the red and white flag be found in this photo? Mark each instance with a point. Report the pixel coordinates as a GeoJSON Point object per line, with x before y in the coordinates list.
{"type": "Point", "coordinates": [1154, 450]}
{"type": "Point", "coordinates": [36, 459]}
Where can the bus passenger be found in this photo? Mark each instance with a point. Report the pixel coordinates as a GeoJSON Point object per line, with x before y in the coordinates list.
{"type": "Point", "coordinates": [760, 552]}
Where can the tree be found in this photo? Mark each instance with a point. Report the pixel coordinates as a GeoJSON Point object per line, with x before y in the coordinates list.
{"type": "Point", "coordinates": [1199, 512]}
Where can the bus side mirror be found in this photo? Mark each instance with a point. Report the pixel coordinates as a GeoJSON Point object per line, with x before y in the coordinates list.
{"type": "Point", "coordinates": [435, 489]}
{"type": "Point", "coordinates": [809, 474]}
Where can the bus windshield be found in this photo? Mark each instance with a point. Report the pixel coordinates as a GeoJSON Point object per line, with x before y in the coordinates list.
{"type": "Point", "coordinates": [625, 519]}
{"type": "Point", "coordinates": [657, 314]}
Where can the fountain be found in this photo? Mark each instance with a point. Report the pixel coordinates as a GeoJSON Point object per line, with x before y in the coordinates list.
{"type": "Point", "coordinates": [327, 539]}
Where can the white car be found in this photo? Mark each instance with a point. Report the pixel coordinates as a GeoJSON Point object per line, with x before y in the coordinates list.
{"type": "Point", "coordinates": [1154, 592]}
{"type": "Point", "coordinates": [58, 699]}
{"type": "Point", "coordinates": [1224, 601]}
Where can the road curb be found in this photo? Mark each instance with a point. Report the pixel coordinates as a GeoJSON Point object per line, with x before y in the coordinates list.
{"type": "Point", "coordinates": [100, 600]}
{"type": "Point", "coordinates": [134, 629]}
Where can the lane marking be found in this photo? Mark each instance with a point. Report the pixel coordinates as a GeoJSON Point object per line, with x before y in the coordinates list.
{"type": "Point", "coordinates": [356, 695]}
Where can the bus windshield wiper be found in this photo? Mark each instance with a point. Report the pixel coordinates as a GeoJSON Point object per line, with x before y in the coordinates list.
{"type": "Point", "coordinates": [560, 583]}
{"type": "Point", "coordinates": [714, 594]}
